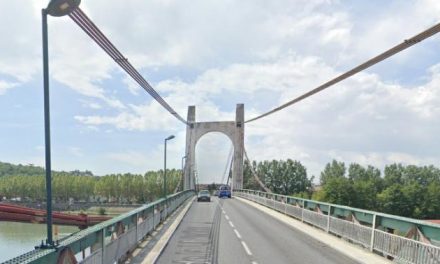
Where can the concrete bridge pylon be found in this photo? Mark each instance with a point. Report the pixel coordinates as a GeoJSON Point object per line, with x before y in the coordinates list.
{"type": "Point", "coordinates": [234, 130]}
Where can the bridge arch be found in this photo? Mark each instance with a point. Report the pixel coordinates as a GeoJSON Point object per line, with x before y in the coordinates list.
{"type": "Point", "coordinates": [234, 130]}
{"type": "Point", "coordinates": [213, 154]}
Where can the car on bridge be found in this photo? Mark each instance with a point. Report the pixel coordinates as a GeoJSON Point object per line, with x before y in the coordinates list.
{"type": "Point", "coordinates": [224, 191]}
{"type": "Point", "coordinates": [204, 196]}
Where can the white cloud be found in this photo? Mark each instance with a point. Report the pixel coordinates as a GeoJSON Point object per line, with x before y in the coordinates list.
{"type": "Point", "coordinates": [90, 104]}
{"type": "Point", "coordinates": [75, 151]}
{"type": "Point", "coordinates": [141, 160]}
{"type": "Point", "coordinates": [132, 86]}
{"type": "Point", "coordinates": [4, 86]}
{"type": "Point", "coordinates": [212, 152]}
{"type": "Point", "coordinates": [362, 119]}
{"type": "Point", "coordinates": [141, 118]}
{"type": "Point", "coordinates": [18, 49]}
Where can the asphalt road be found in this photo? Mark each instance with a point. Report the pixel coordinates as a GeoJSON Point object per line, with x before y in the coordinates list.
{"type": "Point", "coordinates": [230, 231]}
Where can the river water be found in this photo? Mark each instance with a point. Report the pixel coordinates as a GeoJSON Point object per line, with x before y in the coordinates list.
{"type": "Point", "coordinates": [19, 238]}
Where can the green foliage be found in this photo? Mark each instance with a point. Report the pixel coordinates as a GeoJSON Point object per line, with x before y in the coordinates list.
{"type": "Point", "coordinates": [410, 191]}
{"type": "Point", "coordinates": [319, 195]}
{"type": "Point", "coordinates": [249, 181]}
{"type": "Point", "coordinates": [393, 201]}
{"type": "Point", "coordinates": [212, 187]}
{"type": "Point", "coordinates": [304, 194]}
{"type": "Point", "coordinates": [332, 170]}
{"type": "Point", "coordinates": [339, 190]}
{"type": "Point", "coordinates": [28, 182]}
{"type": "Point", "coordinates": [101, 211]}
{"type": "Point", "coordinates": [7, 169]}
{"type": "Point", "coordinates": [283, 177]}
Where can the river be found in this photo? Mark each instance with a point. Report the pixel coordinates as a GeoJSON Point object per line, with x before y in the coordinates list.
{"type": "Point", "coordinates": [19, 238]}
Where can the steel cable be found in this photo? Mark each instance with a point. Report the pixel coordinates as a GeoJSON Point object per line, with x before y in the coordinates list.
{"type": "Point", "coordinates": [80, 18]}
{"type": "Point", "coordinates": [254, 173]}
{"type": "Point", "coordinates": [396, 49]}
{"type": "Point", "coordinates": [228, 162]}
{"type": "Point", "coordinates": [87, 25]}
{"type": "Point", "coordinates": [90, 28]}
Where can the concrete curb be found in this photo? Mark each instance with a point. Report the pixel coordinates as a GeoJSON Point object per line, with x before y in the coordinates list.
{"type": "Point", "coordinates": [158, 248]}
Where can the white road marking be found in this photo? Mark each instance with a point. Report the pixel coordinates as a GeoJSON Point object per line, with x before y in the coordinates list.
{"type": "Point", "coordinates": [246, 248]}
{"type": "Point", "coordinates": [237, 234]}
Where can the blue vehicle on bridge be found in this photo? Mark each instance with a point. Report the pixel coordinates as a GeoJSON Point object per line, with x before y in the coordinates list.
{"type": "Point", "coordinates": [224, 191]}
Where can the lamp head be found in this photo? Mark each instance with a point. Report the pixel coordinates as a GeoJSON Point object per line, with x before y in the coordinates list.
{"type": "Point", "coordinates": [170, 137]}
{"type": "Point", "coordinates": [60, 8]}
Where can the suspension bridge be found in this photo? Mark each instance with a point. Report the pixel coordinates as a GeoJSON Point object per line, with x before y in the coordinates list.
{"type": "Point", "coordinates": [255, 226]}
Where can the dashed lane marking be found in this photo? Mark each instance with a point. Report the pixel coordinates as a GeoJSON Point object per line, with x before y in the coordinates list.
{"type": "Point", "coordinates": [237, 234]}
{"type": "Point", "coordinates": [248, 251]}
{"type": "Point", "coordinates": [245, 246]}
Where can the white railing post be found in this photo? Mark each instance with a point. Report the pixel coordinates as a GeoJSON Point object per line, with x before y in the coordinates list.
{"type": "Point", "coordinates": [302, 211]}
{"type": "Point", "coordinates": [103, 245]}
{"type": "Point", "coordinates": [373, 228]}
{"type": "Point", "coordinates": [154, 212]}
{"type": "Point", "coordinates": [328, 218]}
{"type": "Point", "coordinates": [136, 225]}
{"type": "Point", "coordinates": [285, 204]}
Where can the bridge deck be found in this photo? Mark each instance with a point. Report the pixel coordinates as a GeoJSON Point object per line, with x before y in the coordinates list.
{"type": "Point", "coordinates": [230, 231]}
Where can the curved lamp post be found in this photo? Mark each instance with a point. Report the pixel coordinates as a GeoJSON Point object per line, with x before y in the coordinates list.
{"type": "Point", "coordinates": [55, 8]}
{"type": "Point", "coordinates": [165, 166]}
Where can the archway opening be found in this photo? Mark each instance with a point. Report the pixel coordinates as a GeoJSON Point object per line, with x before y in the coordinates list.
{"type": "Point", "coordinates": [213, 158]}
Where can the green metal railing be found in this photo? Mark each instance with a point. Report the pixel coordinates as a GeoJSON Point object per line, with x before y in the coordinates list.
{"type": "Point", "coordinates": [403, 239]}
{"type": "Point", "coordinates": [111, 240]}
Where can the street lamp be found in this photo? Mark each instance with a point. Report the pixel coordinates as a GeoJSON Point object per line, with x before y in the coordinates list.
{"type": "Point", "coordinates": [165, 167]}
{"type": "Point", "coordinates": [55, 8]}
{"type": "Point", "coordinates": [60, 8]}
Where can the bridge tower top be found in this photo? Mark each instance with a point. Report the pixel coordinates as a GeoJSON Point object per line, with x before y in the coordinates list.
{"type": "Point", "coordinates": [234, 130]}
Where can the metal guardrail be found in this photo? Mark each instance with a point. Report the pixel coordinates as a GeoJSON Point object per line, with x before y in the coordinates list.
{"type": "Point", "coordinates": [371, 234]}
{"type": "Point", "coordinates": [108, 241]}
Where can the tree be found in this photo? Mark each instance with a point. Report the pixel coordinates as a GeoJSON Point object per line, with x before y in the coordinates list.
{"type": "Point", "coordinates": [367, 183]}
{"type": "Point", "coordinates": [283, 177]}
{"type": "Point", "coordinates": [339, 190]}
{"type": "Point", "coordinates": [393, 201]}
{"type": "Point", "coordinates": [249, 181]}
{"type": "Point", "coordinates": [431, 203]}
{"type": "Point", "coordinates": [393, 174]}
{"type": "Point", "coordinates": [334, 169]}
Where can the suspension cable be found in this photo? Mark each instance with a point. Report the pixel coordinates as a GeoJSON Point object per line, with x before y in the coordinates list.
{"type": "Point", "coordinates": [254, 173]}
{"type": "Point", "coordinates": [86, 24]}
{"type": "Point", "coordinates": [228, 164]}
{"type": "Point", "coordinates": [394, 50]}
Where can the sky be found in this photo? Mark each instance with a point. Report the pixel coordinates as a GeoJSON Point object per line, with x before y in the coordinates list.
{"type": "Point", "coordinates": [215, 54]}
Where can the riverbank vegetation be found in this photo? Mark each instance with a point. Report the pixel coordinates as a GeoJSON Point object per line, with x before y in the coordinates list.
{"type": "Point", "coordinates": [28, 183]}
{"type": "Point", "coordinates": [405, 190]}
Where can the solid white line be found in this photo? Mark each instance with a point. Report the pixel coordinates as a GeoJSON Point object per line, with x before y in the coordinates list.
{"type": "Point", "coordinates": [246, 248]}
{"type": "Point", "coordinates": [237, 234]}
{"type": "Point", "coordinates": [227, 217]}
{"type": "Point", "coordinates": [231, 224]}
